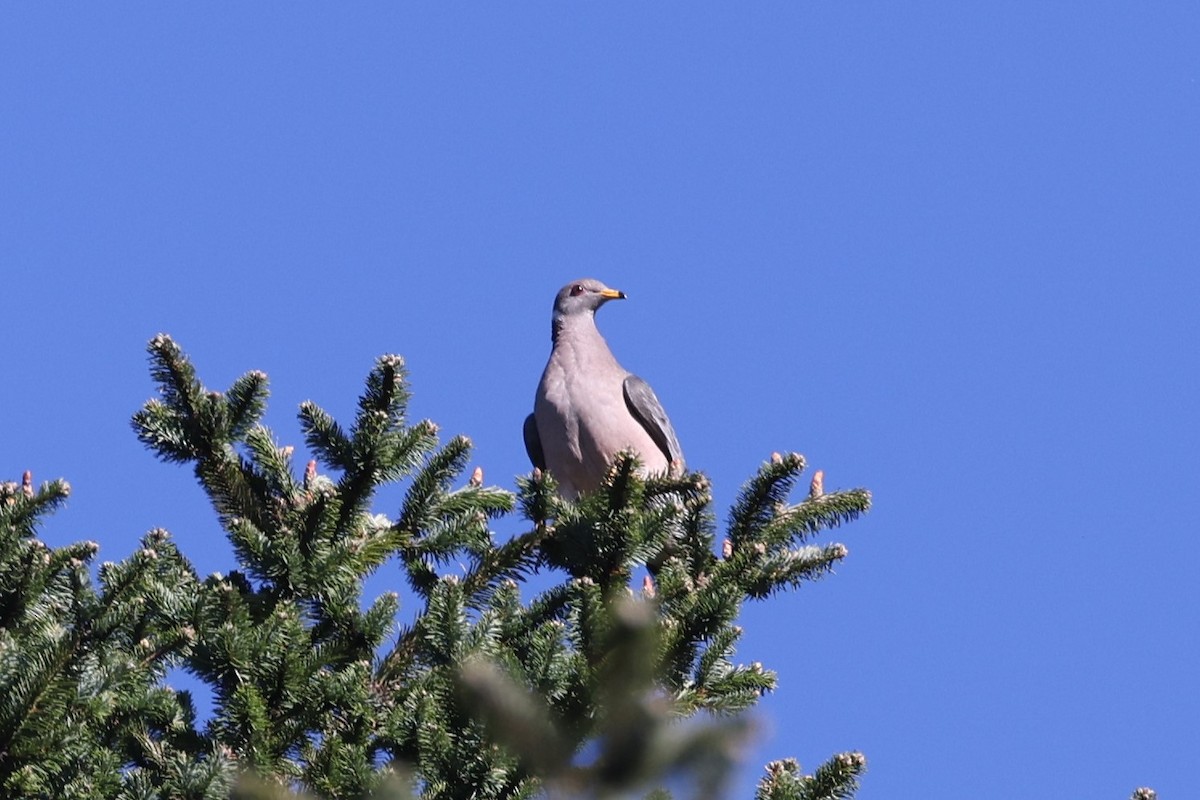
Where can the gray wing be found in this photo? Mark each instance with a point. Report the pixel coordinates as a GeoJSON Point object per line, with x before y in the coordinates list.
{"type": "Point", "coordinates": [533, 443]}
{"type": "Point", "coordinates": [646, 409]}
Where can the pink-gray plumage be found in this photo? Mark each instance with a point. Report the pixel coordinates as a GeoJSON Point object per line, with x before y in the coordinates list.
{"type": "Point", "coordinates": [588, 407]}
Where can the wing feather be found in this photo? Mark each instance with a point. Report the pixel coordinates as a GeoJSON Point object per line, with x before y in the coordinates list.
{"type": "Point", "coordinates": [646, 409]}
{"type": "Point", "coordinates": [533, 443]}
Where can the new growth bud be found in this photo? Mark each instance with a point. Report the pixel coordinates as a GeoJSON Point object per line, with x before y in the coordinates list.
{"type": "Point", "coordinates": [817, 487]}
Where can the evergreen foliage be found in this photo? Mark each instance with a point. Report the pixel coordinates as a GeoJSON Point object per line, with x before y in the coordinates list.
{"type": "Point", "coordinates": [583, 688]}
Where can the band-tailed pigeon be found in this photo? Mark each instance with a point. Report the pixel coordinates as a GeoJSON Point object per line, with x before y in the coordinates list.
{"type": "Point", "coordinates": [588, 407]}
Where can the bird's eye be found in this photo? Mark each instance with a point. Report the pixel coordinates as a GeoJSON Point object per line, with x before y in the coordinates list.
{"type": "Point", "coordinates": [577, 290]}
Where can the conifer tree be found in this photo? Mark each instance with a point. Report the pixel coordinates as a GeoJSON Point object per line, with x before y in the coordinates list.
{"type": "Point", "coordinates": [585, 688]}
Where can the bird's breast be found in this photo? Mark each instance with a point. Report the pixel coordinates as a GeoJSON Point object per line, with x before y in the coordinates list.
{"type": "Point", "coordinates": [582, 418]}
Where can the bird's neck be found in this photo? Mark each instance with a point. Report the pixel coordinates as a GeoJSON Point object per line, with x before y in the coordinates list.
{"type": "Point", "coordinates": [577, 325]}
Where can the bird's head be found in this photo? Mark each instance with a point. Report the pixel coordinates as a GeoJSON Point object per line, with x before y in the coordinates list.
{"type": "Point", "coordinates": [583, 296]}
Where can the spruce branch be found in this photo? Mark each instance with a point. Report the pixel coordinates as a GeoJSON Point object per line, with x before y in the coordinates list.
{"type": "Point", "coordinates": [21, 508]}
{"type": "Point", "coordinates": [808, 518]}
{"type": "Point", "coordinates": [518, 718]}
{"type": "Point", "coordinates": [538, 497]}
{"type": "Point", "coordinates": [270, 462]}
{"type": "Point", "coordinates": [836, 779]}
{"type": "Point", "coordinates": [326, 438]}
{"type": "Point", "coordinates": [512, 559]}
{"type": "Point", "coordinates": [423, 502]}
{"type": "Point", "coordinates": [759, 499]}
{"type": "Point", "coordinates": [246, 402]}
{"type": "Point", "coordinates": [789, 568]}
{"type": "Point", "coordinates": [385, 399]}
{"type": "Point", "coordinates": [176, 377]}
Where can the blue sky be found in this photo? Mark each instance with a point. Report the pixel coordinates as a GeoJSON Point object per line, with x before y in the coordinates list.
{"type": "Point", "coordinates": [948, 252]}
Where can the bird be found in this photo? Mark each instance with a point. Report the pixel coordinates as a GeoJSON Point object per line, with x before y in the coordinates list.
{"type": "Point", "coordinates": [588, 408]}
